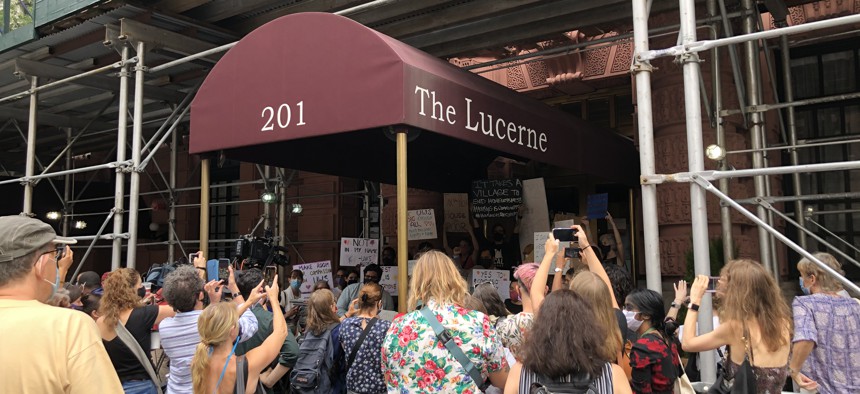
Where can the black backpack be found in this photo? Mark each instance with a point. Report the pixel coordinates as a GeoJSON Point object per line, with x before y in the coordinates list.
{"type": "Point", "coordinates": [580, 384]}
{"type": "Point", "coordinates": [313, 370]}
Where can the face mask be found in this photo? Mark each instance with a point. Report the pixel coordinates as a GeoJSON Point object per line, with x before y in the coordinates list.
{"type": "Point", "coordinates": [295, 283]}
{"type": "Point", "coordinates": [141, 292]}
{"type": "Point", "coordinates": [485, 262]}
{"type": "Point", "coordinates": [605, 249]}
{"type": "Point", "coordinates": [632, 323]}
{"type": "Point", "coordinates": [55, 285]}
{"type": "Point", "coordinates": [387, 261]}
{"type": "Point", "coordinates": [515, 296]}
{"type": "Point", "coordinates": [498, 237]}
{"type": "Point", "coordinates": [351, 281]}
{"type": "Point", "coordinates": [76, 307]}
{"type": "Point", "coordinates": [802, 288]}
{"type": "Point", "coordinates": [340, 282]}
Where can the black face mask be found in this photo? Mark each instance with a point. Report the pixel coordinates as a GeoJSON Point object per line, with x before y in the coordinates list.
{"type": "Point", "coordinates": [605, 249]}
{"type": "Point", "coordinates": [351, 281]}
{"type": "Point", "coordinates": [387, 261]}
{"type": "Point", "coordinates": [498, 237]}
{"type": "Point", "coordinates": [141, 292]}
{"type": "Point", "coordinates": [485, 262]}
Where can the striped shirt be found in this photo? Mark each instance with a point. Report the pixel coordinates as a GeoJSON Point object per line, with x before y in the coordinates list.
{"type": "Point", "coordinates": [179, 339]}
{"type": "Point", "coordinates": [601, 384]}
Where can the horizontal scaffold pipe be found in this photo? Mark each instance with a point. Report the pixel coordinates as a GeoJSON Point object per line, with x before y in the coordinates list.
{"type": "Point", "coordinates": [25, 179]}
{"type": "Point", "coordinates": [681, 177]}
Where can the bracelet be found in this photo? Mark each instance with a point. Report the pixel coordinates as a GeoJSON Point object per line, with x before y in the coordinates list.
{"type": "Point", "coordinates": [200, 268]}
{"type": "Point", "coordinates": [693, 307]}
{"type": "Point", "coordinates": [676, 305]}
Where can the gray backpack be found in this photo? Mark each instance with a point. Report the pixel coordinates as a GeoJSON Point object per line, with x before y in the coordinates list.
{"type": "Point", "coordinates": [312, 373]}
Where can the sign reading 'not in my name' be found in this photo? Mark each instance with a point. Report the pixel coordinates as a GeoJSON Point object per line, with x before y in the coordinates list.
{"type": "Point", "coordinates": [358, 251]}
{"type": "Point", "coordinates": [496, 198]}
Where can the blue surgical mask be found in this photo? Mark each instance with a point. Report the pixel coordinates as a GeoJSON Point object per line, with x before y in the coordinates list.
{"type": "Point", "coordinates": [56, 284]}
{"type": "Point", "coordinates": [802, 288]}
{"type": "Point", "coordinates": [295, 283]}
{"type": "Point", "coordinates": [632, 323]}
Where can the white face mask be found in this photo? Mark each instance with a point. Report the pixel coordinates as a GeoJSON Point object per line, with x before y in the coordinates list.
{"type": "Point", "coordinates": [632, 323]}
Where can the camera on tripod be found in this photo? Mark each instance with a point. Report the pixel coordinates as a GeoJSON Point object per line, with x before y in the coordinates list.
{"type": "Point", "coordinates": [259, 252]}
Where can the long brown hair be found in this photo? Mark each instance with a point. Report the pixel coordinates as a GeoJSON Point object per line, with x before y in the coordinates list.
{"type": "Point", "coordinates": [749, 293]}
{"type": "Point", "coordinates": [436, 278]}
{"type": "Point", "coordinates": [594, 290]}
{"type": "Point", "coordinates": [320, 313]}
{"type": "Point", "coordinates": [214, 326]}
{"type": "Point", "coordinates": [566, 323]}
{"type": "Point", "coordinates": [120, 294]}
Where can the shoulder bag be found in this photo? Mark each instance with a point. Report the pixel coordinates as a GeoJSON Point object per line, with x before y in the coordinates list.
{"type": "Point", "coordinates": [125, 336]}
{"type": "Point", "coordinates": [743, 381]}
{"type": "Point", "coordinates": [358, 343]}
{"type": "Point", "coordinates": [444, 336]}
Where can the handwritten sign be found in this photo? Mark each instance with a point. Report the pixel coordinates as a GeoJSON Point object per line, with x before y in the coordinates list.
{"type": "Point", "coordinates": [410, 264]}
{"type": "Point", "coordinates": [421, 224]}
{"type": "Point", "coordinates": [499, 278]}
{"type": "Point", "coordinates": [388, 281]}
{"type": "Point", "coordinates": [358, 251]}
{"type": "Point", "coordinates": [597, 206]}
{"type": "Point", "coordinates": [314, 272]}
{"type": "Point", "coordinates": [535, 213]}
{"type": "Point", "coordinates": [496, 198]}
{"type": "Point", "coordinates": [539, 242]}
{"type": "Point", "coordinates": [456, 212]}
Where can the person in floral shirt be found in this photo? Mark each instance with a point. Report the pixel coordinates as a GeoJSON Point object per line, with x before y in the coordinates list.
{"type": "Point", "coordinates": [513, 329]}
{"type": "Point", "coordinates": [413, 360]}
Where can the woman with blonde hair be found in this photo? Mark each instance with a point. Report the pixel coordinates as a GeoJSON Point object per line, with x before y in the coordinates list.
{"type": "Point", "coordinates": [755, 323]}
{"type": "Point", "coordinates": [414, 360]}
{"type": "Point", "coordinates": [121, 304]}
{"type": "Point", "coordinates": [213, 368]}
{"type": "Point", "coordinates": [364, 357]}
{"type": "Point", "coordinates": [826, 342]}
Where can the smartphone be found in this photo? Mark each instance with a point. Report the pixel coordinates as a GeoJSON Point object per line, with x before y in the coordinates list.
{"type": "Point", "coordinates": [191, 257]}
{"type": "Point", "coordinates": [572, 253]}
{"type": "Point", "coordinates": [223, 272]}
{"type": "Point", "coordinates": [564, 234]}
{"type": "Point", "coordinates": [712, 284]}
{"type": "Point", "coordinates": [269, 274]}
{"type": "Point", "coordinates": [211, 270]}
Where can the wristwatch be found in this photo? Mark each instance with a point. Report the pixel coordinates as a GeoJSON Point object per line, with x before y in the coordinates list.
{"type": "Point", "coordinates": [693, 307]}
{"type": "Point", "coordinates": [558, 269]}
{"type": "Point", "coordinates": [675, 305]}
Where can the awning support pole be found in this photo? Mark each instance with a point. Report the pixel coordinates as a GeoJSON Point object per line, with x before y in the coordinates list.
{"type": "Point", "coordinates": [696, 160]}
{"type": "Point", "coordinates": [119, 187]}
{"type": "Point", "coordinates": [137, 132]}
{"type": "Point", "coordinates": [402, 240]}
{"type": "Point", "coordinates": [31, 149]}
{"type": "Point", "coordinates": [171, 209]}
{"type": "Point", "coordinates": [642, 72]}
{"type": "Point", "coordinates": [204, 207]}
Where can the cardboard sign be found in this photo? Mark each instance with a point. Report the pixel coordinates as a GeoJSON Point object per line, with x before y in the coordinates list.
{"type": "Point", "coordinates": [388, 281]}
{"type": "Point", "coordinates": [540, 241]}
{"type": "Point", "coordinates": [535, 213]}
{"type": "Point", "coordinates": [496, 198]}
{"type": "Point", "coordinates": [421, 224]}
{"type": "Point", "coordinates": [564, 223]}
{"type": "Point", "coordinates": [358, 251]}
{"type": "Point", "coordinates": [456, 212]}
{"type": "Point", "coordinates": [597, 206]}
{"type": "Point", "coordinates": [314, 272]}
{"type": "Point", "coordinates": [499, 278]}
{"type": "Point", "coordinates": [410, 264]}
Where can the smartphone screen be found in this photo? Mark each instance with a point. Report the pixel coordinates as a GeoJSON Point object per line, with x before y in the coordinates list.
{"type": "Point", "coordinates": [712, 284]}
{"type": "Point", "coordinates": [563, 234]}
{"type": "Point", "coordinates": [191, 258]}
{"type": "Point", "coordinates": [572, 253]}
{"type": "Point", "coordinates": [269, 274]}
{"type": "Point", "coordinates": [223, 272]}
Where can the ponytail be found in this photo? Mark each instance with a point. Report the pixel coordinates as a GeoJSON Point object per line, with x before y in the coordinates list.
{"type": "Point", "coordinates": [199, 367]}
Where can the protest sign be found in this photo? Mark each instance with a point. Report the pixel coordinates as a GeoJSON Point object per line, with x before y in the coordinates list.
{"type": "Point", "coordinates": [421, 224]}
{"type": "Point", "coordinates": [597, 206]}
{"type": "Point", "coordinates": [496, 198]}
{"type": "Point", "coordinates": [314, 272]}
{"type": "Point", "coordinates": [563, 223]}
{"type": "Point", "coordinates": [499, 278]}
{"type": "Point", "coordinates": [456, 212]}
{"type": "Point", "coordinates": [388, 280]}
{"type": "Point", "coordinates": [358, 251]}
{"type": "Point", "coordinates": [540, 241]}
{"type": "Point", "coordinates": [535, 213]}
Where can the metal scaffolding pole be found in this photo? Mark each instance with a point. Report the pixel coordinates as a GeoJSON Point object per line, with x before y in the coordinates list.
{"type": "Point", "coordinates": [31, 148]}
{"type": "Point", "coordinates": [792, 133]}
{"type": "Point", "coordinates": [716, 82]}
{"type": "Point", "coordinates": [781, 170]}
{"type": "Point", "coordinates": [121, 136]}
{"type": "Point", "coordinates": [93, 243]}
{"type": "Point", "coordinates": [696, 160]}
{"type": "Point", "coordinates": [776, 233]}
{"type": "Point", "coordinates": [171, 209]}
{"type": "Point", "coordinates": [642, 73]}
{"type": "Point", "coordinates": [67, 183]}
{"type": "Point", "coordinates": [137, 132]}
{"type": "Point", "coordinates": [804, 230]}
{"type": "Point", "coordinates": [752, 75]}
{"type": "Point", "coordinates": [267, 207]}
{"type": "Point", "coordinates": [807, 197]}
{"type": "Point", "coordinates": [789, 104]}
{"type": "Point", "coordinates": [830, 233]}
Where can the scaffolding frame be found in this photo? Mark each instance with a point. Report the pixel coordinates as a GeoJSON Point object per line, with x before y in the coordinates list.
{"type": "Point", "coordinates": [686, 54]}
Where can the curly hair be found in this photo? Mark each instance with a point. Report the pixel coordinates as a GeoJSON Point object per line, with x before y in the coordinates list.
{"type": "Point", "coordinates": [120, 294]}
{"type": "Point", "coordinates": [751, 293]}
{"type": "Point", "coordinates": [182, 288]}
{"type": "Point", "coordinates": [565, 323]}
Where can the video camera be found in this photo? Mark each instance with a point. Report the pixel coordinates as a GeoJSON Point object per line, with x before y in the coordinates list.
{"type": "Point", "coordinates": [260, 252]}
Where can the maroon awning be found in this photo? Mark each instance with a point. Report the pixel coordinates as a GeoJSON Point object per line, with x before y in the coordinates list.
{"type": "Point", "coordinates": [318, 92]}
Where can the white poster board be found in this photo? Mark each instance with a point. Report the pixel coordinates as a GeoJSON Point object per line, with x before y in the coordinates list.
{"type": "Point", "coordinates": [535, 214]}
{"type": "Point", "coordinates": [314, 272]}
{"type": "Point", "coordinates": [540, 241]}
{"type": "Point", "coordinates": [500, 278]}
{"type": "Point", "coordinates": [388, 281]}
{"type": "Point", "coordinates": [456, 207]}
{"type": "Point", "coordinates": [358, 251]}
{"type": "Point", "coordinates": [421, 224]}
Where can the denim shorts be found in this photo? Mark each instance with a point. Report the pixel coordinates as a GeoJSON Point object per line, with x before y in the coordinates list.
{"type": "Point", "coordinates": [139, 387]}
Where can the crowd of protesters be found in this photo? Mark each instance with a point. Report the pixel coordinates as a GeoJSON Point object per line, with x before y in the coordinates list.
{"type": "Point", "coordinates": [565, 327]}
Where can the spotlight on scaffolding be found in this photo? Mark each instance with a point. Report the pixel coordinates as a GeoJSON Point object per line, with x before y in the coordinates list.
{"type": "Point", "coordinates": [809, 212]}
{"type": "Point", "coordinates": [268, 197]}
{"type": "Point", "coordinates": [715, 152]}
{"type": "Point", "coordinates": [54, 215]}
{"type": "Point", "coordinates": [80, 224]}
{"type": "Point", "coordinates": [296, 208]}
